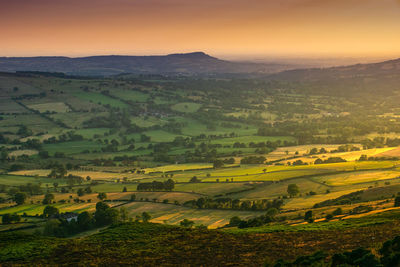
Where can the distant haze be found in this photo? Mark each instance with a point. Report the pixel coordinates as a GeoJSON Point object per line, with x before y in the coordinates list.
{"type": "Point", "coordinates": [291, 28]}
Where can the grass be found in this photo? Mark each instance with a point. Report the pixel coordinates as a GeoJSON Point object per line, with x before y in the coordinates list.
{"type": "Point", "coordinates": [160, 136]}
{"type": "Point", "coordinates": [10, 106]}
{"type": "Point", "coordinates": [180, 167]}
{"type": "Point", "coordinates": [16, 180]}
{"type": "Point", "coordinates": [58, 107]}
{"type": "Point", "coordinates": [173, 214]}
{"type": "Point", "coordinates": [212, 189]}
{"type": "Point", "coordinates": [186, 107]}
{"type": "Point", "coordinates": [132, 95]}
{"type": "Point", "coordinates": [94, 175]}
{"type": "Point", "coordinates": [71, 147]}
{"type": "Point", "coordinates": [37, 209]}
{"type": "Point", "coordinates": [100, 99]}
{"type": "Point", "coordinates": [357, 177]}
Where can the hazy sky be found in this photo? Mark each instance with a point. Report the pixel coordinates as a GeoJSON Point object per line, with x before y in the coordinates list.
{"type": "Point", "coordinates": [218, 27]}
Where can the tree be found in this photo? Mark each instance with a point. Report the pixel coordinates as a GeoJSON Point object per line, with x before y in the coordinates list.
{"type": "Point", "coordinates": [85, 221]}
{"type": "Point", "coordinates": [80, 192]}
{"type": "Point", "coordinates": [101, 213]}
{"type": "Point", "coordinates": [318, 161]}
{"type": "Point", "coordinates": [194, 179]}
{"type": "Point", "coordinates": [51, 226]}
{"type": "Point", "coordinates": [19, 198]}
{"type": "Point", "coordinates": [272, 212]}
{"type": "Point", "coordinates": [293, 190]}
{"type": "Point", "coordinates": [123, 213]}
{"type": "Point", "coordinates": [6, 218]}
{"type": "Point", "coordinates": [133, 197]}
{"type": "Point", "coordinates": [102, 196]}
{"type": "Point", "coordinates": [308, 216]}
{"type": "Point", "coordinates": [124, 189]}
{"type": "Point", "coordinates": [48, 198]}
{"type": "Point", "coordinates": [187, 223]}
{"type": "Point", "coordinates": [397, 201]}
{"type": "Point", "coordinates": [169, 185]}
{"type": "Point", "coordinates": [234, 221]}
{"type": "Point", "coordinates": [218, 164]}
{"type": "Point", "coordinates": [50, 211]}
{"type": "Point", "coordinates": [146, 217]}
{"type": "Point", "coordinates": [3, 155]}
{"type": "Point", "coordinates": [337, 211]}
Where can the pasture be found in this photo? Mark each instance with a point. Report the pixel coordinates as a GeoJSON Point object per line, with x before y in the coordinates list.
{"type": "Point", "coordinates": [173, 214]}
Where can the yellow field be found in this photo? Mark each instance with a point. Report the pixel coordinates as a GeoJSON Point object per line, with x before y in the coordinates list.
{"type": "Point", "coordinates": [349, 156]}
{"type": "Point", "coordinates": [180, 167]}
{"type": "Point", "coordinates": [285, 152]}
{"type": "Point", "coordinates": [358, 177]}
{"type": "Point", "coordinates": [306, 202]}
{"type": "Point", "coordinates": [173, 214]}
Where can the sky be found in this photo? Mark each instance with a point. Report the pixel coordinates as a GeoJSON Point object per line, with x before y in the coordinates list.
{"type": "Point", "coordinates": [309, 28]}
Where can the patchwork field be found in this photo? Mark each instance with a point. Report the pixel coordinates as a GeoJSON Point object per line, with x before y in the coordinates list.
{"type": "Point", "coordinates": [172, 214]}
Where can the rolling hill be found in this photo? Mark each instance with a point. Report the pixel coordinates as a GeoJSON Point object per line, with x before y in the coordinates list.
{"type": "Point", "coordinates": [190, 63]}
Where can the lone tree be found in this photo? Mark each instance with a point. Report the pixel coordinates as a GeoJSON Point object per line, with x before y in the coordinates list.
{"type": "Point", "coordinates": [145, 217]}
{"type": "Point", "coordinates": [102, 196]}
{"type": "Point", "coordinates": [187, 223]}
{"type": "Point", "coordinates": [48, 198]}
{"type": "Point", "coordinates": [218, 164]}
{"type": "Point", "coordinates": [397, 201]}
{"type": "Point", "coordinates": [309, 216]}
{"type": "Point", "coordinates": [293, 190]}
{"type": "Point", "coordinates": [19, 198]}
{"type": "Point", "coordinates": [50, 211]}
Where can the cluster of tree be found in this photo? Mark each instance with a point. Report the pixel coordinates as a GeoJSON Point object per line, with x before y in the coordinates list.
{"type": "Point", "coordinates": [65, 137]}
{"type": "Point", "coordinates": [29, 188]}
{"type": "Point", "coordinates": [234, 204]}
{"type": "Point", "coordinates": [8, 218]}
{"type": "Point", "coordinates": [254, 222]}
{"type": "Point", "coordinates": [366, 158]}
{"type": "Point", "coordinates": [253, 160]}
{"type": "Point", "coordinates": [58, 225]}
{"type": "Point", "coordinates": [329, 160]}
{"type": "Point", "coordinates": [168, 185]}
{"type": "Point", "coordinates": [298, 162]}
{"type": "Point", "coordinates": [83, 191]}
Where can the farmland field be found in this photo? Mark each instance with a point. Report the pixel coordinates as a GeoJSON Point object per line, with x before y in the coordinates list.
{"type": "Point", "coordinates": [192, 154]}
{"type": "Point", "coordinates": [172, 214]}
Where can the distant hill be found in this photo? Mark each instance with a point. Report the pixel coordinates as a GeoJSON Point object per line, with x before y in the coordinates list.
{"type": "Point", "coordinates": [380, 79]}
{"type": "Point", "coordinates": [190, 63]}
{"type": "Point", "coordinates": [386, 68]}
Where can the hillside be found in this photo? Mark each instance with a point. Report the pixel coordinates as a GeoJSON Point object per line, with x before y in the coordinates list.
{"type": "Point", "coordinates": [190, 63]}
{"type": "Point", "coordinates": [147, 244]}
{"type": "Point", "coordinates": [391, 67]}
{"type": "Point", "coordinates": [382, 77]}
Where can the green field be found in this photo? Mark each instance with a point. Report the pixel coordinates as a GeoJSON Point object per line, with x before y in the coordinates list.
{"type": "Point", "coordinates": [186, 107]}
{"type": "Point", "coordinates": [73, 147]}
{"type": "Point", "coordinates": [100, 99]}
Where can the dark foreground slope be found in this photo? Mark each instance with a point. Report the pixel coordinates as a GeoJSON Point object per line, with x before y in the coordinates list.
{"type": "Point", "coordinates": [190, 63]}
{"type": "Point", "coordinates": [146, 244]}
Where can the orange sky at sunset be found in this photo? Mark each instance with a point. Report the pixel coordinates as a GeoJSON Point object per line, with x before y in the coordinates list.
{"type": "Point", "coordinates": [218, 27]}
